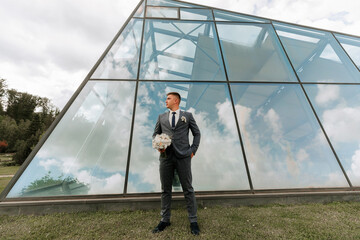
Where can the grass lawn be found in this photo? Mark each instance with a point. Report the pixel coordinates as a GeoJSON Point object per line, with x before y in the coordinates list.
{"type": "Point", "coordinates": [11, 170]}
{"type": "Point", "coordinates": [8, 170]}
{"type": "Point", "coordinates": [3, 183]}
{"type": "Point", "coordinates": [310, 221]}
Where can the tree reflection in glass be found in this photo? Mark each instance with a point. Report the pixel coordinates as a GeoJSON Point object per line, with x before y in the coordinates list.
{"type": "Point", "coordinates": [87, 151]}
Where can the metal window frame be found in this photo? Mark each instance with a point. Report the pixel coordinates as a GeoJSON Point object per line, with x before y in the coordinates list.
{"type": "Point", "coordinates": [160, 7]}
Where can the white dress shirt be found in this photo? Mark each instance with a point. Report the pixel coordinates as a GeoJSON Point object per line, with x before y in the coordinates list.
{"type": "Point", "coordinates": [177, 116]}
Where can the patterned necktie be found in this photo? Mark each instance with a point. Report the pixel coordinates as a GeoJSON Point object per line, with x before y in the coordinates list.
{"type": "Point", "coordinates": [173, 120]}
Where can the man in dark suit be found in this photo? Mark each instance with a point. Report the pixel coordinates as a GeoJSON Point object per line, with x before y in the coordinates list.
{"type": "Point", "coordinates": [178, 155]}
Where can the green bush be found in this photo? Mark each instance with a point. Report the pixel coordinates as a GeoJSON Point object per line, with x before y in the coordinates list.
{"type": "Point", "coordinates": [22, 149]}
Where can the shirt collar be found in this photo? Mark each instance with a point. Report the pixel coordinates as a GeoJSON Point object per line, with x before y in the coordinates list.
{"type": "Point", "coordinates": [177, 111]}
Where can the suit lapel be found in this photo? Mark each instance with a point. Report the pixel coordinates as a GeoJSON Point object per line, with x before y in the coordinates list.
{"type": "Point", "coordinates": [166, 119]}
{"type": "Point", "coordinates": [180, 115]}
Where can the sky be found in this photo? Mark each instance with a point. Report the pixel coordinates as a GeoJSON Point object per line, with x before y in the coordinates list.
{"type": "Point", "coordinates": [48, 47]}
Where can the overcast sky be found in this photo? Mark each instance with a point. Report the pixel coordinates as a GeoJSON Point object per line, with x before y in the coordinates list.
{"type": "Point", "coordinates": [47, 47]}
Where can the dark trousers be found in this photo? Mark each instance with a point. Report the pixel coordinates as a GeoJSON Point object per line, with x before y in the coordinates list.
{"type": "Point", "coordinates": [168, 163]}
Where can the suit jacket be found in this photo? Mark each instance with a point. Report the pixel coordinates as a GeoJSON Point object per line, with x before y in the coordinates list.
{"type": "Point", "coordinates": [180, 135]}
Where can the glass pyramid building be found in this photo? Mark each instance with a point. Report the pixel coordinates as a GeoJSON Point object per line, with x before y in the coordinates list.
{"type": "Point", "coordinates": [278, 106]}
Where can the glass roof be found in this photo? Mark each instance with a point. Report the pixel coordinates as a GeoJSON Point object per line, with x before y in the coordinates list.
{"type": "Point", "coordinates": [276, 103]}
{"type": "Point", "coordinates": [170, 3]}
{"type": "Point", "coordinates": [236, 17]}
{"type": "Point", "coordinates": [316, 55]}
{"type": "Point", "coordinates": [351, 46]}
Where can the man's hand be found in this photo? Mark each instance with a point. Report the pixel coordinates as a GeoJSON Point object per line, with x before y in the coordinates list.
{"type": "Point", "coordinates": [192, 154]}
{"type": "Point", "coordinates": [161, 150]}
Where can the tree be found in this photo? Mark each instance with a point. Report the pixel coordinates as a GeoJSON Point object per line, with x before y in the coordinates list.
{"type": "Point", "coordinates": [22, 151]}
{"type": "Point", "coordinates": [47, 112]}
{"type": "Point", "coordinates": [3, 88]}
{"type": "Point", "coordinates": [34, 126]}
{"type": "Point", "coordinates": [24, 120]}
{"type": "Point", "coordinates": [20, 106]}
{"type": "Point", "coordinates": [9, 131]}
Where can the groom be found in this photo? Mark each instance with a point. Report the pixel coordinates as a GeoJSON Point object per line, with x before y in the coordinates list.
{"type": "Point", "coordinates": [178, 155]}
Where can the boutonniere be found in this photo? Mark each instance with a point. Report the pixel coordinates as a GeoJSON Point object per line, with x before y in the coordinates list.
{"type": "Point", "coordinates": [183, 118]}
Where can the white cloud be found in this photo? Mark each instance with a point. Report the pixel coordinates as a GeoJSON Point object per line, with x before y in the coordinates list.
{"type": "Point", "coordinates": [47, 164]}
{"type": "Point", "coordinates": [273, 120]}
{"type": "Point", "coordinates": [355, 165]}
{"type": "Point", "coordinates": [302, 155]}
{"type": "Point", "coordinates": [342, 124]}
{"type": "Point", "coordinates": [277, 161]}
{"type": "Point", "coordinates": [326, 94]}
{"type": "Point", "coordinates": [353, 171]}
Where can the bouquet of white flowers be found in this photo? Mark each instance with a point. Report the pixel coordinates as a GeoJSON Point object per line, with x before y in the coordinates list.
{"type": "Point", "coordinates": [161, 141]}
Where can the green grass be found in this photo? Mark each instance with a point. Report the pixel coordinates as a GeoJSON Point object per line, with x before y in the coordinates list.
{"type": "Point", "coordinates": [311, 221]}
{"type": "Point", "coordinates": [6, 158]}
{"type": "Point", "coordinates": [8, 170]}
{"type": "Point", "coordinates": [4, 182]}
{"type": "Point", "coordinates": [11, 170]}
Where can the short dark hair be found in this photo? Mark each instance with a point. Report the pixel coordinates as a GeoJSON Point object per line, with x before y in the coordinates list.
{"type": "Point", "coordinates": [175, 94]}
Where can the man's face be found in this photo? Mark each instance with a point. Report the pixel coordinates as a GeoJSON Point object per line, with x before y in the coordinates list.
{"type": "Point", "coordinates": [171, 101]}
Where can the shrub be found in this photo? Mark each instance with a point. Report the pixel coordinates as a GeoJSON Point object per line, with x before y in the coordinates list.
{"type": "Point", "coordinates": [3, 146]}
{"type": "Point", "coordinates": [22, 151]}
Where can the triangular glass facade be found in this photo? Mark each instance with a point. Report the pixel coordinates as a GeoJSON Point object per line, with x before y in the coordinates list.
{"type": "Point", "coordinates": [277, 105]}
{"type": "Point", "coordinates": [351, 46]}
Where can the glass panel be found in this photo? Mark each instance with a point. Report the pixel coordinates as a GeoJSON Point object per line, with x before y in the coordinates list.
{"type": "Point", "coordinates": [253, 53]}
{"type": "Point", "coordinates": [162, 12]}
{"type": "Point", "coordinates": [140, 11]}
{"type": "Point", "coordinates": [121, 62]}
{"type": "Point", "coordinates": [218, 164]}
{"type": "Point", "coordinates": [316, 55]}
{"type": "Point", "coordinates": [87, 151]}
{"type": "Point", "coordinates": [284, 144]}
{"type": "Point", "coordinates": [228, 16]}
{"type": "Point", "coordinates": [352, 47]}
{"type": "Point", "coordinates": [338, 107]}
{"type": "Point", "coordinates": [176, 50]}
{"type": "Point", "coordinates": [196, 14]}
{"type": "Point", "coordinates": [169, 3]}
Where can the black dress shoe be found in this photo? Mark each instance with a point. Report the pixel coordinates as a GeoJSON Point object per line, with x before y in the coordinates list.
{"type": "Point", "coordinates": [161, 227]}
{"type": "Point", "coordinates": [195, 230]}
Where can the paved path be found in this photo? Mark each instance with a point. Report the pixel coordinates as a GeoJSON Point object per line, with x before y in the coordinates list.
{"type": "Point", "coordinates": [6, 176]}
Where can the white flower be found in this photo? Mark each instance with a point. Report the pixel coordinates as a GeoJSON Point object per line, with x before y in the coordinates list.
{"type": "Point", "coordinates": [183, 118]}
{"type": "Point", "coordinates": [161, 141]}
